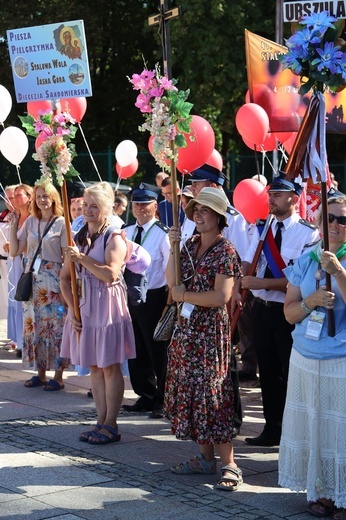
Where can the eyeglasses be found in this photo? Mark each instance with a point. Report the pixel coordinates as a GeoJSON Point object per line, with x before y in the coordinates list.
{"type": "Point", "coordinates": [340, 220]}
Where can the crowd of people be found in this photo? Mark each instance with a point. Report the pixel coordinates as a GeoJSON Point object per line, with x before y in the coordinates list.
{"type": "Point", "coordinates": [192, 380]}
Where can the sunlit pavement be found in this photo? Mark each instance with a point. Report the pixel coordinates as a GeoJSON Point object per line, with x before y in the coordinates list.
{"type": "Point", "coordinates": [46, 472]}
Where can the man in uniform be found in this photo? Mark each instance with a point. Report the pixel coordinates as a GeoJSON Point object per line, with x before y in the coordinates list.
{"type": "Point", "coordinates": [272, 333]}
{"type": "Point", "coordinates": [148, 370]}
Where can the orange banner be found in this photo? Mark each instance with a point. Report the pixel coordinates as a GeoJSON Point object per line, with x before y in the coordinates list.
{"type": "Point", "coordinates": [277, 90]}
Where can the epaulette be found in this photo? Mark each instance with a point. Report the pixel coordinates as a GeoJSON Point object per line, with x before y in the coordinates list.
{"type": "Point", "coordinates": [162, 226]}
{"type": "Point", "coordinates": [307, 223]}
{"type": "Point", "coordinates": [128, 224]}
{"type": "Point", "coordinates": [261, 222]}
{"type": "Point", "coordinates": [232, 211]}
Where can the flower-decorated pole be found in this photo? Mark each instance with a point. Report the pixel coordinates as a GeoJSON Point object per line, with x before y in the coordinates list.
{"type": "Point", "coordinates": [316, 53]}
{"type": "Point", "coordinates": [54, 132]}
{"type": "Point", "coordinates": [163, 21]}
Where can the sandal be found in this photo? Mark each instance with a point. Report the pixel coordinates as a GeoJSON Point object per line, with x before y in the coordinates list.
{"type": "Point", "coordinates": [101, 438]}
{"type": "Point", "coordinates": [236, 479]}
{"type": "Point", "coordinates": [339, 514]}
{"type": "Point", "coordinates": [320, 509]}
{"type": "Point", "coordinates": [205, 467]}
{"type": "Point", "coordinates": [53, 386]}
{"type": "Point", "coordinates": [34, 381]}
{"type": "Point", "coordinates": [84, 437]}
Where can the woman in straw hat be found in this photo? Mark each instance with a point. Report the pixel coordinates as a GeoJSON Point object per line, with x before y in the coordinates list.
{"type": "Point", "coordinates": [199, 390]}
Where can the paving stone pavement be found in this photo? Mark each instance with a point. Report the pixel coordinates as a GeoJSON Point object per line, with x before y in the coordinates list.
{"type": "Point", "coordinates": [46, 472]}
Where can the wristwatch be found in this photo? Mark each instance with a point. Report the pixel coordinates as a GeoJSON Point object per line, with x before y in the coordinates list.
{"type": "Point", "coordinates": [304, 307]}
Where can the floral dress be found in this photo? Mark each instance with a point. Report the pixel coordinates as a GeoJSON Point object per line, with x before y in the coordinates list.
{"type": "Point", "coordinates": [199, 390]}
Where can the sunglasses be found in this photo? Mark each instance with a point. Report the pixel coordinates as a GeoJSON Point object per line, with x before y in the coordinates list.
{"type": "Point", "coordinates": [340, 220]}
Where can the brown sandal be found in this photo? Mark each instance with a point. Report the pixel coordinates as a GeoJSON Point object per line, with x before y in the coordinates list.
{"type": "Point", "coordinates": [319, 509]}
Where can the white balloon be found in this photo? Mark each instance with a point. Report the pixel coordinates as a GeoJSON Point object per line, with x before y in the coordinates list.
{"type": "Point", "coordinates": [126, 152]}
{"type": "Point", "coordinates": [5, 103]}
{"type": "Point", "coordinates": [14, 144]}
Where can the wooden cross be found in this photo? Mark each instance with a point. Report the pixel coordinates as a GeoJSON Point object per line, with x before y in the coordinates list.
{"type": "Point", "coordinates": [162, 20]}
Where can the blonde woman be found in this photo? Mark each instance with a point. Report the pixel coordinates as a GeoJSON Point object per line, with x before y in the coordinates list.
{"type": "Point", "coordinates": [104, 337]}
{"type": "Point", "coordinates": [43, 316]}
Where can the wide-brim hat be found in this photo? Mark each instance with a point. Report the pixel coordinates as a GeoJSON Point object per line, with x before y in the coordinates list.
{"type": "Point", "coordinates": [212, 198]}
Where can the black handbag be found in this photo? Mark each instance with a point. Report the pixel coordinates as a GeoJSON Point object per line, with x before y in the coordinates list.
{"type": "Point", "coordinates": [24, 285]}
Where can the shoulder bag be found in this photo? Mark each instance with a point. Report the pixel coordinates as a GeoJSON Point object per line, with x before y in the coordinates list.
{"type": "Point", "coordinates": [24, 285]}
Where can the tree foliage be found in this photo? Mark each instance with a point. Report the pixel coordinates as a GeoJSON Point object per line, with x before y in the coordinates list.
{"type": "Point", "coordinates": [208, 57]}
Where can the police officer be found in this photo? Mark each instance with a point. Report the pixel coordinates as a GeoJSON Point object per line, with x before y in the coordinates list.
{"type": "Point", "coordinates": [148, 370]}
{"type": "Point", "coordinates": [272, 333]}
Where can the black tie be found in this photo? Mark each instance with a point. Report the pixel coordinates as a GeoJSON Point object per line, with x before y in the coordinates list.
{"type": "Point", "coordinates": [277, 239]}
{"type": "Point", "coordinates": [138, 238]}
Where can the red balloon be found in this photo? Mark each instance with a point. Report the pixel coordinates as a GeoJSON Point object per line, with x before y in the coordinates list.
{"type": "Point", "coordinates": [252, 122]}
{"type": "Point", "coordinates": [125, 172]}
{"type": "Point", "coordinates": [262, 95]}
{"type": "Point", "coordinates": [284, 120]}
{"type": "Point", "coordinates": [151, 149]}
{"type": "Point", "coordinates": [76, 107]}
{"type": "Point", "coordinates": [283, 136]}
{"type": "Point", "coordinates": [269, 144]}
{"type": "Point", "coordinates": [250, 197]}
{"type": "Point", "coordinates": [288, 144]}
{"type": "Point", "coordinates": [41, 138]}
{"type": "Point", "coordinates": [215, 160]}
{"type": "Point", "coordinates": [198, 151]}
{"type": "Point", "coordinates": [33, 107]}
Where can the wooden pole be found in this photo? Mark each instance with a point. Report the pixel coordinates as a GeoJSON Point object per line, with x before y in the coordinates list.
{"type": "Point", "coordinates": [66, 207]}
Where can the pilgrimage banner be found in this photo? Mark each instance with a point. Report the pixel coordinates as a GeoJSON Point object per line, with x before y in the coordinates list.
{"type": "Point", "coordinates": [49, 61]}
{"type": "Point", "coordinates": [276, 90]}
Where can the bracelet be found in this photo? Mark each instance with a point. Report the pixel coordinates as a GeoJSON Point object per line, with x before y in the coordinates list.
{"type": "Point", "coordinates": [304, 307]}
{"type": "Point", "coordinates": [183, 296]}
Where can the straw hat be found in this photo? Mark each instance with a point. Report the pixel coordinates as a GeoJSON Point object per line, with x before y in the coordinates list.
{"type": "Point", "coordinates": [212, 198]}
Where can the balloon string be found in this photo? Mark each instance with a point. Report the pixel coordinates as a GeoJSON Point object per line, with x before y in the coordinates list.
{"type": "Point", "coordinates": [20, 180]}
{"type": "Point", "coordinates": [118, 181]}
{"type": "Point", "coordinates": [79, 177]}
{"type": "Point", "coordinates": [6, 199]}
{"type": "Point", "coordinates": [91, 157]}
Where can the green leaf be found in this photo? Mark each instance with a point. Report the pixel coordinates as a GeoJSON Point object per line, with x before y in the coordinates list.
{"type": "Point", "coordinates": [180, 141]}
{"type": "Point", "coordinates": [184, 126]}
{"type": "Point", "coordinates": [304, 89]}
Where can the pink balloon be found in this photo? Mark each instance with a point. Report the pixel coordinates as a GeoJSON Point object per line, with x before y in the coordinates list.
{"type": "Point", "coordinates": [252, 122]}
{"type": "Point", "coordinates": [215, 160]}
{"type": "Point", "coordinates": [125, 172]}
{"type": "Point", "coordinates": [250, 197]}
{"type": "Point", "coordinates": [76, 107]}
{"type": "Point", "coordinates": [262, 95]}
{"type": "Point", "coordinates": [33, 107]}
{"type": "Point", "coordinates": [199, 150]}
{"type": "Point", "coordinates": [41, 138]}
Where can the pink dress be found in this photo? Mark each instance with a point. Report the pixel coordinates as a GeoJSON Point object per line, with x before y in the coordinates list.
{"type": "Point", "coordinates": [107, 334]}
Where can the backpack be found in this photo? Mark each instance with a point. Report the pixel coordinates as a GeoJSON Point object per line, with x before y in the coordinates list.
{"type": "Point", "coordinates": [134, 275]}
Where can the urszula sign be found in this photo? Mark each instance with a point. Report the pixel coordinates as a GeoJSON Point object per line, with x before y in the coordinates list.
{"type": "Point", "coordinates": [49, 61]}
{"type": "Point", "coordinates": [292, 11]}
